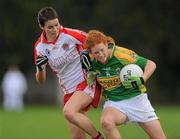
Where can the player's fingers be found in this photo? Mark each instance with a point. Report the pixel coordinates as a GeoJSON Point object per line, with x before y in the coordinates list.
{"type": "Point", "coordinates": [43, 61]}
{"type": "Point", "coordinates": [134, 85]}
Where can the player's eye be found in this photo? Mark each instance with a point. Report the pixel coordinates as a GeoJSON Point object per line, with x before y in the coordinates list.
{"type": "Point", "coordinates": [57, 25]}
{"type": "Point", "coordinates": [102, 50]}
{"type": "Point", "coordinates": [50, 27]}
{"type": "Point", "coordinates": [96, 53]}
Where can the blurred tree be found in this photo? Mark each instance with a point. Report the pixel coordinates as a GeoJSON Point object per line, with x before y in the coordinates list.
{"type": "Point", "coordinates": [18, 31]}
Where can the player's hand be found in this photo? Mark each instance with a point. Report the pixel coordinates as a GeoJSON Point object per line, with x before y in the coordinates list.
{"type": "Point", "coordinates": [90, 77]}
{"type": "Point", "coordinates": [86, 60]}
{"type": "Point", "coordinates": [133, 82]}
{"type": "Point", "coordinates": [41, 60]}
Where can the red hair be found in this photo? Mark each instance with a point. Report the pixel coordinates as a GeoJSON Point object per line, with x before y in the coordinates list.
{"type": "Point", "coordinates": [95, 37]}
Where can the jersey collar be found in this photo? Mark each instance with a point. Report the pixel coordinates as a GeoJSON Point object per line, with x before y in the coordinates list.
{"type": "Point", "coordinates": [111, 46]}
{"type": "Point", "coordinates": [44, 40]}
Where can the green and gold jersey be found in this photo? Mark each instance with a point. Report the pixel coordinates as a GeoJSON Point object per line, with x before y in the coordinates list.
{"type": "Point", "coordinates": [108, 74]}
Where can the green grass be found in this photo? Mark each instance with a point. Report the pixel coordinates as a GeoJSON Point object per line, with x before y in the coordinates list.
{"type": "Point", "coordinates": [47, 122]}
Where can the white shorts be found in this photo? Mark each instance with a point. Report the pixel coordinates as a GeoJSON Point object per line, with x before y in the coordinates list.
{"type": "Point", "coordinates": [138, 109]}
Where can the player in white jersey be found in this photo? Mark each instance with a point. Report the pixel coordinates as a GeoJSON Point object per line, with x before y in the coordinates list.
{"type": "Point", "coordinates": [60, 48]}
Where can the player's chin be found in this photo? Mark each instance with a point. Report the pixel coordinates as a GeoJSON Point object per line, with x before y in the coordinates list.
{"type": "Point", "coordinates": [103, 61]}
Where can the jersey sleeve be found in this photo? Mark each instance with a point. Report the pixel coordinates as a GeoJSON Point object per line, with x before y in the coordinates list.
{"type": "Point", "coordinates": [77, 34]}
{"type": "Point", "coordinates": [127, 56]}
{"type": "Point", "coordinates": [124, 55]}
{"type": "Point", "coordinates": [36, 52]}
{"type": "Point", "coordinates": [35, 49]}
{"type": "Point", "coordinates": [141, 61]}
{"type": "Point", "coordinates": [35, 55]}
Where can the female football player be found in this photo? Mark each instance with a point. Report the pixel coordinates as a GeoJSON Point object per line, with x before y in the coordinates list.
{"type": "Point", "coordinates": [60, 48]}
{"type": "Point", "coordinates": [127, 100]}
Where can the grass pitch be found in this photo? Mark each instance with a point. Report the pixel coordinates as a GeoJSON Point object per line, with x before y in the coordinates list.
{"type": "Point", "coordinates": [47, 122]}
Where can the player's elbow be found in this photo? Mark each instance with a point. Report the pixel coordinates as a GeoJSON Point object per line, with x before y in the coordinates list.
{"type": "Point", "coordinates": [152, 65]}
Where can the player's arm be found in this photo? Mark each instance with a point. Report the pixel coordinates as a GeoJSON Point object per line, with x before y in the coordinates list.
{"type": "Point", "coordinates": [41, 62]}
{"type": "Point", "coordinates": [87, 66]}
{"type": "Point", "coordinates": [86, 60]}
{"type": "Point", "coordinates": [40, 76]}
{"type": "Point", "coordinates": [135, 82]}
{"type": "Point", "coordinates": [149, 70]}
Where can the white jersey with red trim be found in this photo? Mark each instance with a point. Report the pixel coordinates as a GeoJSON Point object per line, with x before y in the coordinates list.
{"type": "Point", "coordinates": [64, 56]}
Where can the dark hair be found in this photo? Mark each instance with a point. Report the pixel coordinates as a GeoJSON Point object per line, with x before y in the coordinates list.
{"type": "Point", "coordinates": [45, 14]}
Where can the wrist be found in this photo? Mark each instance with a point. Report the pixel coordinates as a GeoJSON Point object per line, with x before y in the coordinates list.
{"type": "Point", "coordinates": [142, 80]}
{"type": "Point", "coordinates": [39, 68]}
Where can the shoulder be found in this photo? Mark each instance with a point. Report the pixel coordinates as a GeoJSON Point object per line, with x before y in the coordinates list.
{"type": "Point", "coordinates": [38, 46]}
{"type": "Point", "coordinates": [124, 50]}
{"type": "Point", "coordinates": [125, 54]}
{"type": "Point", "coordinates": [37, 42]}
{"type": "Point", "coordinates": [75, 33]}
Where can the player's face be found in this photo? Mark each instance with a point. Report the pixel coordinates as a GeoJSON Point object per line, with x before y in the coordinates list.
{"type": "Point", "coordinates": [101, 52]}
{"type": "Point", "coordinates": [51, 29]}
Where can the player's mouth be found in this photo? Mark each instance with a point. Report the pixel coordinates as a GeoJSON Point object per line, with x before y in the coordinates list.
{"type": "Point", "coordinates": [102, 59]}
{"type": "Point", "coordinates": [54, 33]}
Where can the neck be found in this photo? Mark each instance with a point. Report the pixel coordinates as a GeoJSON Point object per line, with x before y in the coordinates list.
{"type": "Point", "coordinates": [50, 38]}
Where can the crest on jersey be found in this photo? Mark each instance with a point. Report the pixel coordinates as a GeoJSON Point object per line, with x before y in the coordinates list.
{"type": "Point", "coordinates": [65, 46]}
{"type": "Point", "coordinates": [47, 51]}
